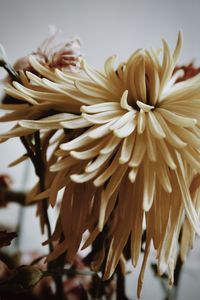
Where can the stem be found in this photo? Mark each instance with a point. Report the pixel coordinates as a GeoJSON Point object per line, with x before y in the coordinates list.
{"type": "Point", "coordinates": [10, 70]}
{"type": "Point", "coordinates": [38, 163]}
{"type": "Point", "coordinates": [121, 294]}
{"type": "Point", "coordinates": [13, 196]}
{"type": "Point", "coordinates": [177, 271]}
{"type": "Point", "coordinates": [38, 159]}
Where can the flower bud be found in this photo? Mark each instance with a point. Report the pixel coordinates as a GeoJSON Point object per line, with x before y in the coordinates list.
{"type": "Point", "coordinates": [21, 280]}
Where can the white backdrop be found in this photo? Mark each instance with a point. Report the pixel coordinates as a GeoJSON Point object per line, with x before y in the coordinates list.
{"type": "Point", "coordinates": [105, 27]}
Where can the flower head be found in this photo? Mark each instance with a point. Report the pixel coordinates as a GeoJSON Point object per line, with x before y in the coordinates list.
{"type": "Point", "coordinates": [54, 54]}
{"type": "Point", "coordinates": [129, 157]}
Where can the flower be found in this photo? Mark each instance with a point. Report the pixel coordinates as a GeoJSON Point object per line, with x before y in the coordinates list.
{"type": "Point", "coordinates": [54, 54]}
{"type": "Point", "coordinates": [49, 56]}
{"type": "Point", "coordinates": [130, 155]}
{"type": "Point", "coordinates": [189, 71]}
{"type": "Point", "coordinates": [141, 148]}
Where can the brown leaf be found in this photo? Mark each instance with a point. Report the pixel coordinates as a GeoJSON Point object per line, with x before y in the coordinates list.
{"type": "Point", "coordinates": [5, 183]}
{"type": "Point", "coordinates": [4, 271]}
{"type": "Point", "coordinates": [6, 238]}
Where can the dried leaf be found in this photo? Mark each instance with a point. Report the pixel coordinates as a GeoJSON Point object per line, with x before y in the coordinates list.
{"type": "Point", "coordinates": [6, 238]}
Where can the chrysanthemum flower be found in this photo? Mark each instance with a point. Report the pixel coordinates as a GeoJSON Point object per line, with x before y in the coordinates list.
{"type": "Point", "coordinates": [36, 102]}
{"type": "Point", "coordinates": [129, 159]}
{"type": "Point", "coordinates": [54, 54]}
{"type": "Point", "coordinates": [25, 99]}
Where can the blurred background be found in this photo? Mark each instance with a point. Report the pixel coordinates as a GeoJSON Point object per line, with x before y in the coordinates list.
{"type": "Point", "coordinates": [105, 27]}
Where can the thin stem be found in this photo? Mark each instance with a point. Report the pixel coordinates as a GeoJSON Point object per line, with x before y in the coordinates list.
{"type": "Point", "coordinates": [40, 171]}
{"type": "Point", "coordinates": [10, 70]}
{"type": "Point", "coordinates": [177, 271]}
{"type": "Point", "coordinates": [13, 196]}
{"type": "Point", "coordinates": [38, 159]}
{"type": "Point", "coordinates": [39, 166]}
{"type": "Point", "coordinates": [121, 294]}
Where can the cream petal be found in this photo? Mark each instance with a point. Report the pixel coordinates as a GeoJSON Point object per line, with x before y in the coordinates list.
{"type": "Point", "coordinates": [19, 95]}
{"type": "Point", "coordinates": [110, 170]}
{"type": "Point", "coordinates": [111, 145]}
{"type": "Point", "coordinates": [165, 153]}
{"type": "Point", "coordinates": [126, 129]}
{"type": "Point", "coordinates": [78, 142]}
{"type": "Point", "coordinates": [176, 119]}
{"type": "Point", "coordinates": [190, 210]}
{"type": "Point", "coordinates": [144, 107]}
{"type": "Point", "coordinates": [163, 176]}
{"type": "Point", "coordinates": [84, 177]}
{"type": "Point", "coordinates": [102, 130]}
{"type": "Point", "coordinates": [97, 163]}
{"type": "Point", "coordinates": [76, 123]}
{"type": "Point", "coordinates": [122, 120]}
{"type": "Point", "coordinates": [149, 187]}
{"type": "Point", "coordinates": [192, 157]}
{"type": "Point", "coordinates": [63, 164]}
{"type": "Point", "coordinates": [132, 174]}
{"type": "Point", "coordinates": [171, 137]}
{"type": "Point", "coordinates": [141, 122]}
{"type": "Point", "coordinates": [91, 152]}
{"type": "Point", "coordinates": [138, 151]}
{"type": "Point", "coordinates": [151, 146]}
{"type": "Point", "coordinates": [154, 126]}
{"type": "Point", "coordinates": [101, 107]}
{"type": "Point", "coordinates": [127, 148]}
{"type": "Point", "coordinates": [102, 117]}
{"type": "Point", "coordinates": [124, 102]}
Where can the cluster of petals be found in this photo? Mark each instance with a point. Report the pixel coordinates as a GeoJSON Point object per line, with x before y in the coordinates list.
{"type": "Point", "coordinates": [54, 54]}
{"type": "Point", "coordinates": [126, 154]}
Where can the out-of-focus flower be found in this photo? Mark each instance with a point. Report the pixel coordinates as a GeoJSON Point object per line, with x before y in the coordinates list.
{"type": "Point", "coordinates": [50, 57]}
{"type": "Point", "coordinates": [189, 71]}
{"type": "Point", "coordinates": [75, 287]}
{"type": "Point", "coordinates": [53, 54]}
{"type": "Point", "coordinates": [21, 280]}
{"type": "Point", "coordinates": [129, 157]}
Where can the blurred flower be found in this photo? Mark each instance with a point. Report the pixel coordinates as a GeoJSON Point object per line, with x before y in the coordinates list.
{"type": "Point", "coordinates": [53, 54]}
{"type": "Point", "coordinates": [47, 59]}
{"type": "Point", "coordinates": [189, 71]}
{"type": "Point", "coordinates": [21, 280]}
{"type": "Point", "coordinates": [129, 157]}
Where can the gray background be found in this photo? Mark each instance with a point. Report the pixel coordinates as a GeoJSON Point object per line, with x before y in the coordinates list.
{"type": "Point", "coordinates": [105, 28]}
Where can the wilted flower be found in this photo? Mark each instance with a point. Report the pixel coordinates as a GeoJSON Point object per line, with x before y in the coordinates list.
{"type": "Point", "coordinates": [129, 157]}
